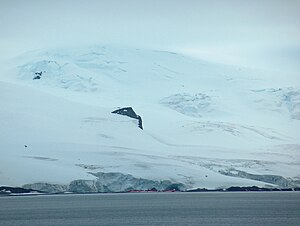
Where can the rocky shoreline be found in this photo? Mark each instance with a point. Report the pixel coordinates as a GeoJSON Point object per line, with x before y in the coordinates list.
{"type": "Point", "coordinates": [7, 191]}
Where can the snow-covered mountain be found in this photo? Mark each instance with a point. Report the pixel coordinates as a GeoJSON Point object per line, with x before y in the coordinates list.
{"type": "Point", "coordinates": [205, 124]}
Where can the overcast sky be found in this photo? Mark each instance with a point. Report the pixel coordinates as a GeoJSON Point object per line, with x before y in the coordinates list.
{"type": "Point", "coordinates": [262, 33]}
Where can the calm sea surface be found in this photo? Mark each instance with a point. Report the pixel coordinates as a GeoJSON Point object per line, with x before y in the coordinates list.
{"type": "Point", "coordinates": [248, 208]}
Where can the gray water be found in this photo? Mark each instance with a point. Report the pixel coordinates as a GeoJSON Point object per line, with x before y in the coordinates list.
{"type": "Point", "coordinates": [242, 209]}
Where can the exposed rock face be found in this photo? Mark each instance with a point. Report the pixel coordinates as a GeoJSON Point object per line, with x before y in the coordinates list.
{"type": "Point", "coordinates": [38, 75]}
{"type": "Point", "coordinates": [4, 190]}
{"type": "Point", "coordinates": [108, 182]}
{"type": "Point", "coordinates": [249, 188]}
{"type": "Point", "coordinates": [128, 111]}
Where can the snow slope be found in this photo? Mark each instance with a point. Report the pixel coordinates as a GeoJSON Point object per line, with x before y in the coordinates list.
{"type": "Point", "coordinates": [205, 125]}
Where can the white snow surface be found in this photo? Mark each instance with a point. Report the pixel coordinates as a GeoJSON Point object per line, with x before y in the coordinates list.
{"type": "Point", "coordinates": [199, 118]}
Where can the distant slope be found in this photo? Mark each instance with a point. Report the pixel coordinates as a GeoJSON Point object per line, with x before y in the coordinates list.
{"type": "Point", "coordinates": [205, 125]}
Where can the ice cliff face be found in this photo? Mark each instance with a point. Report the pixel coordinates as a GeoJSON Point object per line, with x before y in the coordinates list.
{"type": "Point", "coordinates": [109, 182]}
{"type": "Point", "coordinates": [205, 125]}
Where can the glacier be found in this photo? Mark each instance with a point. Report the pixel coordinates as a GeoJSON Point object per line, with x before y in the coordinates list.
{"type": "Point", "coordinates": [206, 125]}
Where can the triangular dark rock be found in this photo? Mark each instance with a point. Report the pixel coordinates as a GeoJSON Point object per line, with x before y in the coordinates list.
{"type": "Point", "coordinates": [128, 111]}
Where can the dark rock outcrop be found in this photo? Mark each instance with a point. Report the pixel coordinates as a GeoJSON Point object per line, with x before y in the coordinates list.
{"type": "Point", "coordinates": [15, 190]}
{"type": "Point", "coordinates": [128, 111]}
{"type": "Point", "coordinates": [38, 75]}
{"type": "Point", "coordinates": [243, 189]}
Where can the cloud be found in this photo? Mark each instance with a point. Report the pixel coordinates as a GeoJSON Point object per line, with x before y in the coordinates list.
{"type": "Point", "coordinates": [222, 29]}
